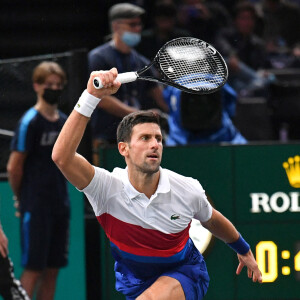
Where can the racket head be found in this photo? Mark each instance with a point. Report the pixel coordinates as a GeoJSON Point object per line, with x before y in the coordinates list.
{"type": "Point", "coordinates": [191, 65]}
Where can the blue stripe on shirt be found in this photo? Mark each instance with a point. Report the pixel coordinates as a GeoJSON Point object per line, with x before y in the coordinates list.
{"type": "Point", "coordinates": [180, 256]}
{"type": "Point", "coordinates": [31, 113]}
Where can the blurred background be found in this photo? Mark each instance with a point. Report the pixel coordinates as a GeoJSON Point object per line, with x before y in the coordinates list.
{"type": "Point", "coordinates": [260, 41]}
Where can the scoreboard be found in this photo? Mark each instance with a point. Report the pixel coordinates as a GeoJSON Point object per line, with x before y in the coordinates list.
{"type": "Point", "coordinates": [257, 187]}
{"type": "Point", "coordinates": [267, 208]}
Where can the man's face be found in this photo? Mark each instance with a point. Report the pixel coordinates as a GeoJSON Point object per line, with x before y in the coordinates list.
{"type": "Point", "coordinates": [52, 82]}
{"type": "Point", "coordinates": [144, 152]}
{"type": "Point", "coordinates": [245, 22]}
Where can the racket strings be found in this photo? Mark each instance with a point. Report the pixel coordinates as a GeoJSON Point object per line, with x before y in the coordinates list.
{"type": "Point", "coordinates": [193, 65]}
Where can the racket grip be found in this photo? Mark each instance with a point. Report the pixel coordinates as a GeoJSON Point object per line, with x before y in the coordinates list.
{"type": "Point", "coordinates": [123, 78]}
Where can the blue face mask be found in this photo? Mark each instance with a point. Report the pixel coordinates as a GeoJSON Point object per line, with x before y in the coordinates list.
{"type": "Point", "coordinates": [131, 39]}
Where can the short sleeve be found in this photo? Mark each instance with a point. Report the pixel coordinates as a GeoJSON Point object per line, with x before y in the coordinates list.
{"type": "Point", "coordinates": [102, 185]}
{"type": "Point", "coordinates": [24, 137]}
{"type": "Point", "coordinates": [205, 209]}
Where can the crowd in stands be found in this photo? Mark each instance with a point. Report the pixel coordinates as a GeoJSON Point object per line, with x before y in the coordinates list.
{"type": "Point", "coordinates": [256, 38]}
{"type": "Point", "coordinates": [253, 36]}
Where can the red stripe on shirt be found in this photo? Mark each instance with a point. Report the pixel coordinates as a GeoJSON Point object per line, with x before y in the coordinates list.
{"type": "Point", "coordinates": [137, 240]}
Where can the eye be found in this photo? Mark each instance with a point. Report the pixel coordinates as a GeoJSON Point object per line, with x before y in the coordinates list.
{"type": "Point", "coordinates": [52, 85]}
{"type": "Point", "coordinates": [159, 139]}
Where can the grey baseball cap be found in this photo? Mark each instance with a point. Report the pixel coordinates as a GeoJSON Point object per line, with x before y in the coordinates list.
{"type": "Point", "coordinates": [124, 11]}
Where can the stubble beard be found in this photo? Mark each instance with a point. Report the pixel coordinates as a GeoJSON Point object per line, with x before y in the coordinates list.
{"type": "Point", "coordinates": [148, 169]}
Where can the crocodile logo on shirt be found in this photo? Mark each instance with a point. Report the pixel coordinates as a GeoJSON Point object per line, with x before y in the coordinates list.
{"type": "Point", "coordinates": [175, 217]}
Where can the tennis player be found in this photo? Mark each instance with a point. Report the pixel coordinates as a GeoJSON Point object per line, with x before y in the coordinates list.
{"type": "Point", "coordinates": [144, 209]}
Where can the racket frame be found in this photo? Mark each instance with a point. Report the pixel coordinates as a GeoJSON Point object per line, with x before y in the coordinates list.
{"type": "Point", "coordinates": [164, 79]}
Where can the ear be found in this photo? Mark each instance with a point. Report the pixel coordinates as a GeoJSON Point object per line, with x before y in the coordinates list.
{"type": "Point", "coordinates": [123, 148]}
{"type": "Point", "coordinates": [37, 87]}
{"type": "Point", "coordinates": [114, 26]}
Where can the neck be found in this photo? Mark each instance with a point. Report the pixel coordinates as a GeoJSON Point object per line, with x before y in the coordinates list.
{"type": "Point", "coordinates": [144, 183]}
{"type": "Point", "coordinates": [48, 111]}
{"type": "Point", "coordinates": [120, 45]}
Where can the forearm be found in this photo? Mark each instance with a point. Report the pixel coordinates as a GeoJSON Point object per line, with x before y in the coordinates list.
{"type": "Point", "coordinates": [69, 138]}
{"type": "Point", "coordinates": [221, 227]}
{"type": "Point", "coordinates": [15, 169]}
{"type": "Point", "coordinates": [15, 181]}
{"type": "Point", "coordinates": [74, 167]}
{"type": "Point", "coordinates": [115, 107]}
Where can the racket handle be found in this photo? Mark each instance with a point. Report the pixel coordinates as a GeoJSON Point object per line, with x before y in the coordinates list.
{"type": "Point", "coordinates": [123, 78]}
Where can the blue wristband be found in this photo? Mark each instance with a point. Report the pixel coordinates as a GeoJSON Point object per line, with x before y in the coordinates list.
{"type": "Point", "coordinates": [240, 246]}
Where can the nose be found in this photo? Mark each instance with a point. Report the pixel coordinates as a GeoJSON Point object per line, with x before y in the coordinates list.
{"type": "Point", "coordinates": [138, 28]}
{"type": "Point", "coordinates": [154, 143]}
{"type": "Point", "coordinates": [56, 86]}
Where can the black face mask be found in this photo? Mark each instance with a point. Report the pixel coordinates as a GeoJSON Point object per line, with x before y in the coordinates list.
{"type": "Point", "coordinates": [52, 96]}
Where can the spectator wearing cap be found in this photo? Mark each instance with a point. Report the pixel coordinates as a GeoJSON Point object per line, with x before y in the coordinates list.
{"type": "Point", "coordinates": [163, 30]}
{"type": "Point", "coordinates": [126, 26]}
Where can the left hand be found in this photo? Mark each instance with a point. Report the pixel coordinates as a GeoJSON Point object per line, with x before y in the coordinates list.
{"type": "Point", "coordinates": [249, 261]}
{"type": "Point", "coordinates": [108, 79]}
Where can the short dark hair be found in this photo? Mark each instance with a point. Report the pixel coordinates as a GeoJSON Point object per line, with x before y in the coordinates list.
{"type": "Point", "coordinates": [124, 130]}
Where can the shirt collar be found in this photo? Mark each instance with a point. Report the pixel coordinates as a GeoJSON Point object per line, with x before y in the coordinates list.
{"type": "Point", "coordinates": [163, 184]}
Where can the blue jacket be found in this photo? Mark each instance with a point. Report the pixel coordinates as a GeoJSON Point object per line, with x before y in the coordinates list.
{"type": "Point", "coordinates": [180, 136]}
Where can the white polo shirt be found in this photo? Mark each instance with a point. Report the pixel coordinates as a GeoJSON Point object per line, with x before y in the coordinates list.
{"type": "Point", "coordinates": [147, 230]}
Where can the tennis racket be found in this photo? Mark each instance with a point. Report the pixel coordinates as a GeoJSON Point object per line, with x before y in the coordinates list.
{"type": "Point", "coordinates": [186, 63]}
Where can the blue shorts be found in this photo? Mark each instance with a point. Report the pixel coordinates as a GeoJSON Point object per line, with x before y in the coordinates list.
{"type": "Point", "coordinates": [44, 241]}
{"type": "Point", "coordinates": [192, 275]}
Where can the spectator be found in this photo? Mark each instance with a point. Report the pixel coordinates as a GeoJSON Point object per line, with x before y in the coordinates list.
{"type": "Point", "coordinates": [281, 31]}
{"type": "Point", "coordinates": [163, 30]}
{"type": "Point", "coordinates": [244, 52]}
{"type": "Point", "coordinates": [203, 19]}
{"type": "Point", "coordinates": [10, 287]}
{"type": "Point", "coordinates": [199, 119]}
{"type": "Point", "coordinates": [39, 186]}
{"type": "Point", "coordinates": [126, 26]}
{"type": "Point", "coordinates": [240, 40]}
{"type": "Point", "coordinates": [282, 19]}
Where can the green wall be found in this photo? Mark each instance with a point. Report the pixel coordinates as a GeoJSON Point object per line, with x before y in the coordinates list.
{"type": "Point", "coordinates": [71, 280]}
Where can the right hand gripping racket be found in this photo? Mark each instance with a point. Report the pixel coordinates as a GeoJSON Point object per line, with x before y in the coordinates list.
{"type": "Point", "coordinates": [186, 63]}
